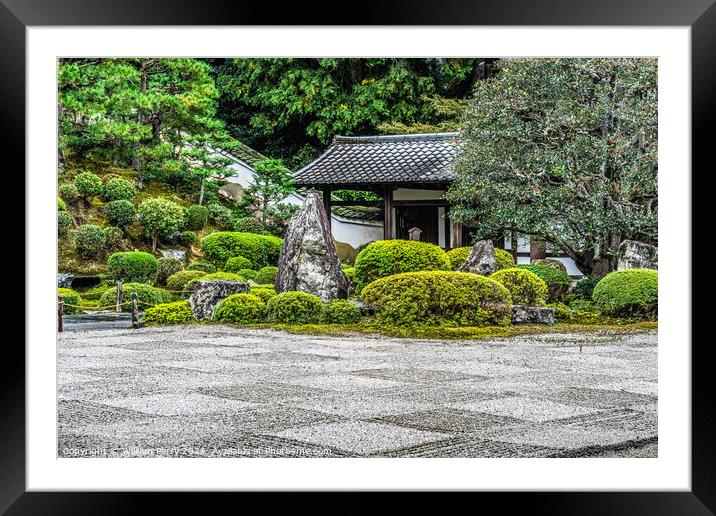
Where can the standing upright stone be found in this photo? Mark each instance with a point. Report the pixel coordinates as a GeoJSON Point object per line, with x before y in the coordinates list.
{"type": "Point", "coordinates": [308, 260]}
{"type": "Point", "coordinates": [632, 254]}
{"type": "Point", "coordinates": [482, 259]}
{"type": "Point", "coordinates": [208, 294]}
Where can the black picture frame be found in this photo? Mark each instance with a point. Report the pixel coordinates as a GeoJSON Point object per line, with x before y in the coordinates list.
{"type": "Point", "coordinates": [700, 15]}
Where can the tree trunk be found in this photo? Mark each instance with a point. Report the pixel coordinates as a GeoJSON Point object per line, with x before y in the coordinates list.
{"type": "Point", "coordinates": [201, 192]}
{"type": "Point", "coordinates": [154, 242]}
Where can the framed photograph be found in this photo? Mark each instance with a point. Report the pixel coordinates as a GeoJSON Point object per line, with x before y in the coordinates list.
{"type": "Point", "coordinates": [415, 250]}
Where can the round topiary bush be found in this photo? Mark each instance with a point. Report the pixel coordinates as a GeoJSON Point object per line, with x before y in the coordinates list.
{"type": "Point", "coordinates": [207, 267]}
{"type": "Point", "coordinates": [505, 260]}
{"type": "Point", "coordinates": [264, 293]}
{"type": "Point", "coordinates": [220, 215]}
{"type": "Point", "coordinates": [146, 294]}
{"type": "Point", "coordinates": [439, 298]}
{"type": "Point", "coordinates": [236, 264]}
{"type": "Point", "coordinates": [266, 275]}
{"type": "Point", "coordinates": [68, 192]}
{"type": "Point", "coordinates": [61, 206]}
{"type": "Point", "coordinates": [64, 221]}
{"type": "Point", "coordinates": [167, 266]}
{"type": "Point", "coordinates": [179, 280]}
{"type": "Point", "coordinates": [120, 213]}
{"type": "Point", "coordinates": [241, 309]}
{"type": "Point", "coordinates": [197, 216]}
{"type": "Point", "coordinates": [294, 307]}
{"type": "Point", "coordinates": [585, 287]}
{"type": "Point", "coordinates": [71, 298]}
{"type": "Point", "coordinates": [525, 287]}
{"type": "Point", "coordinates": [116, 189]}
{"type": "Point", "coordinates": [89, 240]}
{"type": "Point", "coordinates": [340, 311]}
{"type": "Point", "coordinates": [261, 250]}
{"type": "Point", "coordinates": [187, 238]}
{"type": "Point", "coordinates": [88, 184]}
{"type": "Point", "coordinates": [458, 256]}
{"type": "Point", "coordinates": [628, 293]}
{"type": "Point", "coordinates": [178, 312]}
{"type": "Point", "coordinates": [387, 257]}
{"type": "Point", "coordinates": [133, 267]}
{"type": "Point", "coordinates": [113, 236]}
{"type": "Point", "coordinates": [558, 282]}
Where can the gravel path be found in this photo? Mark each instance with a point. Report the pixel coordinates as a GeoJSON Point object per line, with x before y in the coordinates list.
{"type": "Point", "coordinates": [218, 391]}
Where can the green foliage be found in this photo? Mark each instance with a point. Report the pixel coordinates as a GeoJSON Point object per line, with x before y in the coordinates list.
{"type": "Point", "coordinates": [120, 213]}
{"type": "Point", "coordinates": [628, 293]}
{"type": "Point", "coordinates": [180, 280]}
{"type": "Point", "coordinates": [159, 218]}
{"type": "Point", "coordinates": [203, 162]}
{"type": "Point", "coordinates": [439, 298]}
{"type": "Point", "coordinates": [294, 307]}
{"type": "Point", "coordinates": [241, 309]}
{"type": "Point", "coordinates": [207, 267]}
{"type": "Point", "coordinates": [272, 183]}
{"type": "Point", "coordinates": [558, 282]}
{"type": "Point", "coordinates": [571, 150]}
{"type": "Point", "coordinates": [220, 215]}
{"type": "Point", "coordinates": [64, 221]}
{"type": "Point", "coordinates": [116, 189]}
{"type": "Point", "coordinates": [386, 257]}
{"type": "Point", "coordinates": [264, 293]}
{"type": "Point", "coordinates": [340, 311]}
{"type": "Point", "coordinates": [197, 217]}
{"type": "Point", "coordinates": [94, 294]}
{"type": "Point", "coordinates": [187, 238]}
{"type": "Point", "coordinates": [89, 240]}
{"type": "Point", "coordinates": [113, 237]}
{"type": "Point", "coordinates": [146, 295]}
{"type": "Point", "coordinates": [585, 287]}
{"type": "Point", "coordinates": [266, 275]}
{"type": "Point", "coordinates": [261, 250]}
{"type": "Point", "coordinates": [61, 206]}
{"type": "Point", "coordinates": [350, 273]}
{"type": "Point", "coordinates": [249, 225]}
{"type": "Point", "coordinates": [236, 264]}
{"type": "Point", "coordinates": [457, 256]}
{"type": "Point", "coordinates": [133, 267]}
{"type": "Point", "coordinates": [68, 192]}
{"type": "Point", "coordinates": [88, 184]}
{"type": "Point", "coordinates": [71, 298]}
{"type": "Point", "coordinates": [505, 260]}
{"type": "Point", "coordinates": [248, 274]}
{"type": "Point", "coordinates": [525, 287]}
{"type": "Point", "coordinates": [550, 262]}
{"type": "Point", "coordinates": [178, 312]}
{"type": "Point", "coordinates": [167, 266]}
{"type": "Point", "coordinates": [228, 276]}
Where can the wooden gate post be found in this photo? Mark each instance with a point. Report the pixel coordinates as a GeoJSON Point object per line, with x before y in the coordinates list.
{"type": "Point", "coordinates": [119, 296]}
{"type": "Point", "coordinates": [135, 311]}
{"type": "Point", "coordinates": [60, 313]}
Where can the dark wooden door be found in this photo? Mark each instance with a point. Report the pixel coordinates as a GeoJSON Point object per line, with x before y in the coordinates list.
{"type": "Point", "coordinates": [423, 217]}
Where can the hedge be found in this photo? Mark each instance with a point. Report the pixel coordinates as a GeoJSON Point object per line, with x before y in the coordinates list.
{"type": "Point", "coordinates": [261, 250]}
{"type": "Point", "coordinates": [628, 293]}
{"type": "Point", "coordinates": [147, 295]}
{"type": "Point", "coordinates": [266, 275]}
{"type": "Point", "coordinates": [340, 311]}
{"type": "Point", "coordinates": [178, 312]}
{"type": "Point", "coordinates": [167, 266]}
{"type": "Point", "coordinates": [117, 189]}
{"type": "Point", "coordinates": [179, 280]}
{"type": "Point", "coordinates": [558, 282]}
{"type": "Point", "coordinates": [294, 307]}
{"type": "Point", "coordinates": [264, 293]}
{"type": "Point", "coordinates": [240, 309]}
{"type": "Point", "coordinates": [133, 267]}
{"type": "Point", "coordinates": [120, 213]}
{"type": "Point", "coordinates": [197, 216]}
{"type": "Point", "coordinates": [525, 287]}
{"type": "Point", "coordinates": [386, 257]}
{"type": "Point", "coordinates": [89, 240]}
{"type": "Point", "coordinates": [236, 264]}
{"type": "Point", "coordinates": [207, 267]}
{"type": "Point", "coordinates": [72, 297]}
{"type": "Point", "coordinates": [439, 297]}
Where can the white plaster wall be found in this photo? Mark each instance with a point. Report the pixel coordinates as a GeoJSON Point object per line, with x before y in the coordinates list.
{"type": "Point", "coordinates": [412, 194]}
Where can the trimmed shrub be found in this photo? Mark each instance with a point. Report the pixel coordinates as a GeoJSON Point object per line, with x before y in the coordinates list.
{"type": "Point", "coordinates": [133, 267]}
{"type": "Point", "coordinates": [264, 293]}
{"type": "Point", "coordinates": [61, 206]}
{"type": "Point", "coordinates": [261, 250]}
{"type": "Point", "coordinates": [439, 298]}
{"type": "Point", "coordinates": [72, 297]}
{"type": "Point", "coordinates": [88, 184]}
{"type": "Point", "coordinates": [525, 287]}
{"type": "Point", "coordinates": [68, 192]}
{"type": "Point", "coordinates": [89, 240]}
{"type": "Point", "coordinates": [241, 309]}
{"type": "Point", "coordinates": [458, 256]}
{"type": "Point", "coordinates": [220, 215]}
{"type": "Point", "coordinates": [113, 236]}
{"type": "Point", "coordinates": [340, 311]}
{"type": "Point", "coordinates": [197, 217]}
{"type": "Point", "coordinates": [167, 266]}
{"type": "Point", "coordinates": [179, 280]}
{"type": "Point", "coordinates": [387, 257]}
{"type": "Point", "coordinates": [295, 308]}
{"type": "Point", "coordinates": [558, 282]}
{"type": "Point", "coordinates": [178, 312]}
{"type": "Point", "coordinates": [266, 275]}
{"type": "Point", "coordinates": [628, 293]}
{"type": "Point", "coordinates": [187, 238]}
{"type": "Point", "coordinates": [207, 267]}
{"type": "Point", "coordinates": [64, 221]}
{"type": "Point", "coordinates": [248, 225]}
{"type": "Point", "coordinates": [585, 287]}
{"type": "Point", "coordinates": [550, 262]}
{"type": "Point", "coordinates": [350, 273]}
{"type": "Point", "coordinates": [236, 264]}
{"type": "Point", "coordinates": [94, 294]}
{"type": "Point", "coordinates": [120, 213]}
{"type": "Point", "coordinates": [248, 274]}
{"type": "Point", "coordinates": [146, 294]}
{"type": "Point", "coordinates": [504, 259]}
{"type": "Point", "coordinates": [117, 189]}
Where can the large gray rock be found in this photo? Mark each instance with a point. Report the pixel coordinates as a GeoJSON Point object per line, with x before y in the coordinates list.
{"type": "Point", "coordinates": [208, 294]}
{"type": "Point", "coordinates": [637, 255]}
{"type": "Point", "coordinates": [231, 191]}
{"type": "Point", "coordinates": [174, 253]}
{"type": "Point", "coordinates": [64, 279]}
{"type": "Point", "coordinates": [482, 259]}
{"type": "Point", "coordinates": [522, 314]}
{"type": "Point", "coordinates": [308, 260]}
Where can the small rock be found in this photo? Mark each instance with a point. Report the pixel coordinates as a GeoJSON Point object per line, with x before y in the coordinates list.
{"type": "Point", "coordinates": [637, 255]}
{"type": "Point", "coordinates": [64, 279]}
{"type": "Point", "coordinates": [550, 262]}
{"type": "Point", "coordinates": [174, 253]}
{"type": "Point", "coordinates": [522, 314]}
{"type": "Point", "coordinates": [207, 295]}
{"type": "Point", "coordinates": [231, 191]}
{"type": "Point", "coordinates": [481, 259]}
